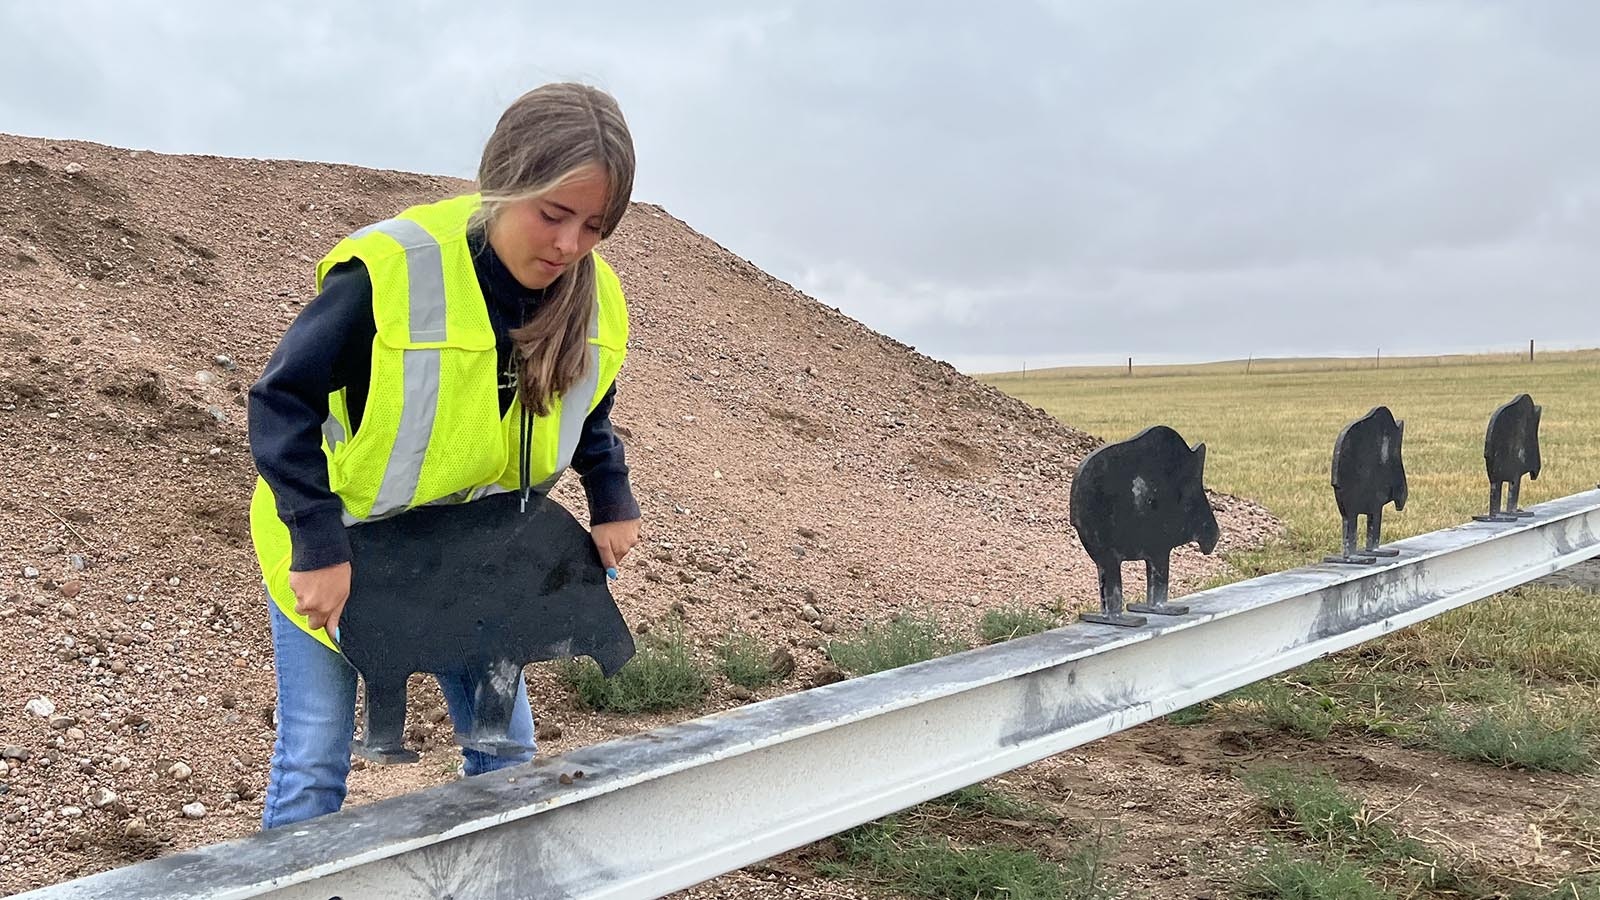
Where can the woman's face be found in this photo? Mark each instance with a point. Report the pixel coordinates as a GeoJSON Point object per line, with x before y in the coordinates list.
{"type": "Point", "coordinates": [540, 237]}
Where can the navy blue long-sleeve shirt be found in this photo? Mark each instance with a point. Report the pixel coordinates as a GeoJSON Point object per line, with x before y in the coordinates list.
{"type": "Point", "coordinates": [329, 347]}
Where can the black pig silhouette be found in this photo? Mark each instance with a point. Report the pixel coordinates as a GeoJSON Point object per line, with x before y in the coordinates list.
{"type": "Point", "coordinates": [477, 584]}
{"type": "Point", "coordinates": [1368, 473]}
{"type": "Point", "coordinates": [1510, 451]}
{"type": "Point", "coordinates": [1138, 500]}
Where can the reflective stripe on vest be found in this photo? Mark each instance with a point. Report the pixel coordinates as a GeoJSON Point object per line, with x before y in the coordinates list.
{"type": "Point", "coordinates": [332, 431]}
{"type": "Point", "coordinates": [425, 277]}
{"type": "Point", "coordinates": [425, 270]}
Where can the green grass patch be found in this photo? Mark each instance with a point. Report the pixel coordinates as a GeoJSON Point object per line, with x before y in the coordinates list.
{"type": "Point", "coordinates": [1286, 877]}
{"type": "Point", "coordinates": [1516, 739]}
{"type": "Point", "coordinates": [1321, 697]}
{"type": "Point", "coordinates": [1405, 700]}
{"type": "Point", "coordinates": [1312, 806]}
{"type": "Point", "coordinates": [1004, 624]}
{"type": "Point", "coordinates": [977, 799]}
{"type": "Point", "coordinates": [919, 852]}
{"type": "Point", "coordinates": [1307, 715]}
{"type": "Point", "coordinates": [745, 662]}
{"type": "Point", "coordinates": [663, 674]}
{"type": "Point", "coordinates": [1349, 839]}
{"type": "Point", "coordinates": [1477, 687]}
{"type": "Point", "coordinates": [1395, 699]}
{"type": "Point", "coordinates": [894, 856]}
{"type": "Point", "coordinates": [900, 642]}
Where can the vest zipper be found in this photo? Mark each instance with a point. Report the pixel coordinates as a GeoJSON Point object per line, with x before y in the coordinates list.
{"type": "Point", "coordinates": [526, 453]}
{"type": "Point", "coordinates": [525, 424]}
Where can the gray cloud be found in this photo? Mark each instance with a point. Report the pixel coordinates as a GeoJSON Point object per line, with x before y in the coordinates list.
{"type": "Point", "coordinates": [1048, 181]}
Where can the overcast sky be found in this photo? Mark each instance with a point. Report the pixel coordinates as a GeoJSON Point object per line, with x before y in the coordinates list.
{"type": "Point", "coordinates": [1048, 182]}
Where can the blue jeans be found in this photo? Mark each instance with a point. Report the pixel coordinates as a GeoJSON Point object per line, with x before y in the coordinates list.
{"type": "Point", "coordinates": [317, 719]}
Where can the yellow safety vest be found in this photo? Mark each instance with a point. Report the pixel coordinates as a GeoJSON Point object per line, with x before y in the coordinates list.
{"type": "Point", "coordinates": [431, 431]}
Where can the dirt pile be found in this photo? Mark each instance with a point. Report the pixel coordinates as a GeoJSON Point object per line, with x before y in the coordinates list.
{"type": "Point", "coordinates": [784, 455]}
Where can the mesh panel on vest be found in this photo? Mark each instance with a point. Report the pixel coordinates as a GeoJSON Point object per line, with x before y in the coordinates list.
{"type": "Point", "coordinates": [466, 449]}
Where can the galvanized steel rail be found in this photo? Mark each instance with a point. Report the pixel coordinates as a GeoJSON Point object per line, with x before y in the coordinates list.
{"type": "Point", "coordinates": [659, 811]}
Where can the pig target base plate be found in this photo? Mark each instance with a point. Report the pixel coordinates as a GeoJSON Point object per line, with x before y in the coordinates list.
{"type": "Point", "coordinates": [1367, 557]}
{"type": "Point", "coordinates": [1121, 620]}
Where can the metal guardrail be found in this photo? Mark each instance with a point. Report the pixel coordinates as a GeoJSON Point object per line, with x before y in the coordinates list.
{"type": "Point", "coordinates": [666, 809]}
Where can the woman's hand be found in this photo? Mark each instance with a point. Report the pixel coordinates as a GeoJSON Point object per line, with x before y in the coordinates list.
{"type": "Point", "coordinates": [320, 595]}
{"type": "Point", "coordinates": [614, 540]}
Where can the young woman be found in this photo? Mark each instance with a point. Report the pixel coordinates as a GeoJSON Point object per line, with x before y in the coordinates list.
{"type": "Point", "coordinates": [462, 348]}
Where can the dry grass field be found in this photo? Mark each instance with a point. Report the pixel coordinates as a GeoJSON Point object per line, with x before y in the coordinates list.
{"type": "Point", "coordinates": [1269, 435]}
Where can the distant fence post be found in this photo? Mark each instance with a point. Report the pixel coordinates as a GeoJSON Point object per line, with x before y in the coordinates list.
{"type": "Point", "coordinates": [1530, 350]}
{"type": "Point", "coordinates": [1377, 362]}
{"type": "Point", "coordinates": [1130, 366]}
{"type": "Point", "coordinates": [1247, 362]}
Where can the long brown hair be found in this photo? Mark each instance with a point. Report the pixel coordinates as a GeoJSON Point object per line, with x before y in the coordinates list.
{"type": "Point", "coordinates": [541, 140]}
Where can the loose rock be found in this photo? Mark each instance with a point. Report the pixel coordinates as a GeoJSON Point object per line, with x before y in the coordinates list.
{"type": "Point", "coordinates": [781, 662]}
{"type": "Point", "coordinates": [828, 675]}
